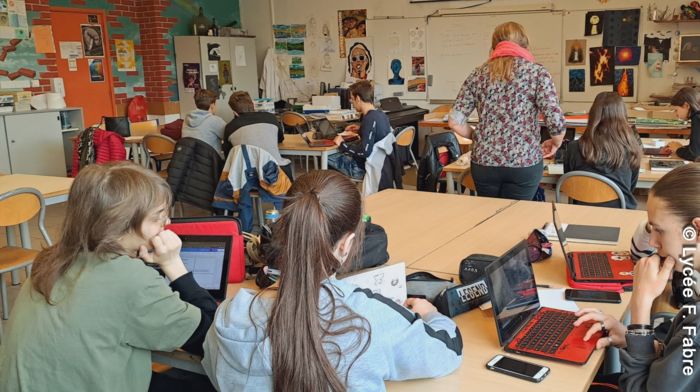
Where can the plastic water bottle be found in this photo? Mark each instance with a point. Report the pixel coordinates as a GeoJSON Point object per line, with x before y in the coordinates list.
{"type": "Point", "coordinates": [271, 216]}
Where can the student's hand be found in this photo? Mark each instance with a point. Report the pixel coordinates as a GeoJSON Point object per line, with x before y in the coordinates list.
{"type": "Point", "coordinates": [166, 253]}
{"type": "Point", "coordinates": [616, 331]}
{"type": "Point", "coordinates": [549, 148]}
{"type": "Point", "coordinates": [673, 146]}
{"type": "Point", "coordinates": [354, 128]}
{"type": "Point", "coordinates": [651, 276]}
{"type": "Point", "coordinates": [421, 306]}
{"type": "Point", "coordinates": [338, 140]}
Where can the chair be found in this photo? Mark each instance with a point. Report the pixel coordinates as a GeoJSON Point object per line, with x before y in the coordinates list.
{"type": "Point", "coordinates": [158, 148]}
{"type": "Point", "coordinates": [468, 183]}
{"type": "Point", "coordinates": [18, 207]}
{"type": "Point", "coordinates": [143, 128]}
{"type": "Point", "coordinates": [405, 139]}
{"type": "Point", "coordinates": [589, 188]}
{"type": "Point", "coordinates": [443, 109]}
{"type": "Point", "coordinates": [300, 124]}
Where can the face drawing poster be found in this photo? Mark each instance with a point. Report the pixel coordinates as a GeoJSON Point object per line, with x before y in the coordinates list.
{"type": "Point", "coordinates": [359, 61]}
{"type": "Point", "coordinates": [351, 24]}
{"type": "Point", "coordinates": [653, 44]}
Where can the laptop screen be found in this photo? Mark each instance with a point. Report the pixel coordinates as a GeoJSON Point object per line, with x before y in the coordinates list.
{"type": "Point", "coordinates": [207, 257]}
{"type": "Point", "coordinates": [560, 231]}
{"type": "Point", "coordinates": [514, 299]}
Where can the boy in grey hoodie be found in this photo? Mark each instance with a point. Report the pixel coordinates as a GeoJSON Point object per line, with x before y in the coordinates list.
{"type": "Point", "coordinates": [203, 124]}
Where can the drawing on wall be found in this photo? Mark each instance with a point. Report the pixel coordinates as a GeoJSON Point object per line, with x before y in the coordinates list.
{"type": "Point", "coordinates": [602, 65]}
{"type": "Point", "coordinates": [627, 55]}
{"type": "Point", "coordinates": [395, 73]}
{"type": "Point", "coordinates": [418, 66]}
{"type": "Point", "coordinates": [575, 52]}
{"type": "Point", "coordinates": [296, 71]}
{"type": "Point", "coordinates": [351, 24]}
{"type": "Point", "coordinates": [326, 65]}
{"type": "Point", "coordinates": [621, 27]}
{"type": "Point", "coordinates": [214, 51]}
{"type": "Point", "coordinates": [97, 71]}
{"type": "Point", "coordinates": [577, 80]}
{"type": "Point", "coordinates": [13, 19]}
{"type": "Point", "coordinates": [92, 40]}
{"type": "Point", "coordinates": [359, 60]}
{"type": "Point", "coordinates": [655, 65]}
{"type": "Point", "coordinates": [689, 48]}
{"type": "Point", "coordinates": [281, 46]}
{"type": "Point", "coordinates": [654, 43]}
{"type": "Point", "coordinates": [416, 39]}
{"type": "Point", "coordinates": [624, 82]}
{"type": "Point", "coordinates": [92, 19]}
{"type": "Point", "coordinates": [594, 23]}
{"type": "Point", "coordinates": [211, 82]}
{"type": "Point", "coordinates": [297, 31]}
{"type": "Point", "coordinates": [282, 31]}
{"type": "Point", "coordinates": [190, 77]}
{"type": "Point", "coordinates": [225, 72]}
{"type": "Point", "coordinates": [126, 57]}
{"type": "Point", "coordinates": [295, 46]}
{"type": "Point", "coordinates": [417, 85]}
{"type": "Point", "coordinates": [327, 46]}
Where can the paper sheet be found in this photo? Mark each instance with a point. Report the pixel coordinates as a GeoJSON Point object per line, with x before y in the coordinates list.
{"type": "Point", "coordinates": [71, 49]}
{"type": "Point", "coordinates": [554, 298]}
{"type": "Point", "coordinates": [389, 281]}
{"type": "Point", "coordinates": [240, 56]}
{"type": "Point", "coordinates": [43, 39]}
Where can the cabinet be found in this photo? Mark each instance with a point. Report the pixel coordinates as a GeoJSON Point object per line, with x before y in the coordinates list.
{"type": "Point", "coordinates": [239, 51]}
{"type": "Point", "coordinates": [36, 142]}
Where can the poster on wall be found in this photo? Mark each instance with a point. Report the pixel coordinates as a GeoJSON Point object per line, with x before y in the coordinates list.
{"type": "Point", "coordinates": [656, 43]}
{"type": "Point", "coordinates": [13, 19]}
{"type": "Point", "coordinates": [594, 23]}
{"type": "Point", "coordinates": [191, 77]}
{"type": "Point", "coordinates": [416, 85]}
{"type": "Point", "coordinates": [627, 55]}
{"type": "Point", "coordinates": [43, 39]}
{"type": "Point", "coordinates": [624, 82]}
{"type": "Point", "coordinates": [655, 65]}
{"type": "Point", "coordinates": [295, 46]}
{"type": "Point", "coordinates": [395, 78]}
{"type": "Point", "coordinates": [416, 40]}
{"type": "Point", "coordinates": [213, 51]}
{"type": "Point", "coordinates": [418, 66]}
{"type": "Point", "coordinates": [70, 49]}
{"type": "Point", "coordinates": [577, 80]}
{"type": "Point", "coordinates": [602, 65]}
{"type": "Point", "coordinates": [92, 40]}
{"type": "Point", "coordinates": [126, 58]}
{"type": "Point", "coordinates": [97, 71]}
{"type": "Point", "coordinates": [225, 72]}
{"type": "Point", "coordinates": [297, 31]}
{"type": "Point", "coordinates": [575, 50]}
{"type": "Point", "coordinates": [351, 24]}
{"type": "Point", "coordinates": [211, 82]}
{"type": "Point", "coordinates": [621, 27]}
{"type": "Point", "coordinates": [359, 65]}
{"type": "Point", "coordinates": [296, 71]}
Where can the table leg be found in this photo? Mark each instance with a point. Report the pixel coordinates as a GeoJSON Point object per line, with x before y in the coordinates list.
{"type": "Point", "coordinates": [450, 183]}
{"type": "Point", "coordinates": [324, 160]}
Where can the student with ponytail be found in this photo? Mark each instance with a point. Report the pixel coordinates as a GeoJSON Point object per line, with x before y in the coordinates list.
{"type": "Point", "coordinates": [313, 332]}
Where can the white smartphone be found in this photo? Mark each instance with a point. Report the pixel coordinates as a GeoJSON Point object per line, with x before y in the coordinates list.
{"type": "Point", "coordinates": [517, 368]}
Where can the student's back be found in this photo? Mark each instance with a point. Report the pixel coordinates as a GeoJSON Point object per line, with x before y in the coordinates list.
{"type": "Point", "coordinates": [203, 124]}
{"type": "Point", "coordinates": [313, 332]}
{"type": "Point", "coordinates": [609, 147]}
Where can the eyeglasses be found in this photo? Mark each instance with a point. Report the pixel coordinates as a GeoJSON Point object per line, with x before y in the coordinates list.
{"type": "Point", "coordinates": [538, 246]}
{"type": "Point", "coordinates": [358, 58]}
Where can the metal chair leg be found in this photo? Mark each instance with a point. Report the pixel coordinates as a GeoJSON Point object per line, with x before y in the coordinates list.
{"type": "Point", "coordinates": [5, 301]}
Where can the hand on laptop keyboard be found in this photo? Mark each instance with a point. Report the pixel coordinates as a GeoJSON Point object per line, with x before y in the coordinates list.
{"type": "Point", "coordinates": [615, 330]}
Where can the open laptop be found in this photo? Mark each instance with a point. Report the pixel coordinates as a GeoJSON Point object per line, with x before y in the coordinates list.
{"type": "Point", "coordinates": [208, 258]}
{"type": "Point", "coordinates": [594, 266]}
{"type": "Point", "coordinates": [524, 327]}
{"type": "Point", "coordinates": [317, 142]}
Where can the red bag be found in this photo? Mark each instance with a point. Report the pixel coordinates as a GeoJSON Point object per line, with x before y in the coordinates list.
{"type": "Point", "coordinates": [216, 226]}
{"type": "Point", "coordinates": [173, 129]}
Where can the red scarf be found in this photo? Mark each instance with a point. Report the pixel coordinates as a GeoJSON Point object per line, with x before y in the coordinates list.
{"type": "Point", "coordinates": [511, 49]}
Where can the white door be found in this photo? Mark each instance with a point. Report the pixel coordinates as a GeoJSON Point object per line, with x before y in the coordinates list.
{"type": "Point", "coordinates": [36, 144]}
{"type": "Point", "coordinates": [245, 65]}
{"type": "Point", "coordinates": [186, 52]}
{"type": "Point", "coordinates": [216, 66]}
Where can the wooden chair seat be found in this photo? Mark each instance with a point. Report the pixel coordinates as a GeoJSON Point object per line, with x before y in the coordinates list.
{"type": "Point", "coordinates": [12, 257]}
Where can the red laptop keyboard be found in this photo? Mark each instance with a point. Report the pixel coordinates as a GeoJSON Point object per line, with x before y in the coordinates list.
{"type": "Point", "coordinates": [594, 265]}
{"type": "Point", "coordinates": [549, 333]}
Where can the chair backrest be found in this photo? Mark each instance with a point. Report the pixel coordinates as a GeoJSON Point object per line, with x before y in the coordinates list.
{"type": "Point", "coordinates": [143, 128]}
{"type": "Point", "coordinates": [443, 109]}
{"type": "Point", "coordinates": [21, 205]}
{"type": "Point", "coordinates": [293, 119]}
{"type": "Point", "coordinates": [405, 137]}
{"type": "Point", "coordinates": [468, 182]}
{"type": "Point", "coordinates": [159, 144]}
{"type": "Point", "coordinates": [589, 188]}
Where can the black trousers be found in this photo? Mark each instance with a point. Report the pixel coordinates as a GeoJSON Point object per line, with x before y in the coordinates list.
{"type": "Point", "coordinates": [519, 183]}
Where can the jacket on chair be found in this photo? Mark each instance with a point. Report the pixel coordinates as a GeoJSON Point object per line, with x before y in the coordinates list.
{"type": "Point", "coordinates": [430, 166]}
{"type": "Point", "coordinates": [95, 145]}
{"type": "Point", "coordinates": [383, 169]}
{"type": "Point", "coordinates": [193, 172]}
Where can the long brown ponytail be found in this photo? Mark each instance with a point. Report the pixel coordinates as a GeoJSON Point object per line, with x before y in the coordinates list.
{"type": "Point", "coordinates": [323, 207]}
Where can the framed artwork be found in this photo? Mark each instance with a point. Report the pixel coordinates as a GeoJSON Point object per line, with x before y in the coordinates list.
{"type": "Point", "coordinates": [689, 48]}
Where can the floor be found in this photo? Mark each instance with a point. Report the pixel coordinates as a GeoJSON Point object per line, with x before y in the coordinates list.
{"type": "Point", "coordinates": [55, 215]}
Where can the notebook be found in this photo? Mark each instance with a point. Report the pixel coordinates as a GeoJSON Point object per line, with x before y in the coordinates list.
{"type": "Point", "coordinates": [664, 165]}
{"type": "Point", "coordinates": [604, 235]}
{"type": "Point", "coordinates": [388, 280]}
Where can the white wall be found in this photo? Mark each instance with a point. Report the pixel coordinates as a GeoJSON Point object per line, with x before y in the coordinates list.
{"type": "Point", "coordinates": [325, 11]}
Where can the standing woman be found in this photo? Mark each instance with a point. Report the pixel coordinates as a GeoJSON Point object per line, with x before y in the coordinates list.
{"type": "Point", "coordinates": [509, 91]}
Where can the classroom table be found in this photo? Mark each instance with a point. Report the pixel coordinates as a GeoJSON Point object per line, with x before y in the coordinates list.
{"type": "Point", "coordinates": [294, 145]}
{"type": "Point", "coordinates": [493, 235]}
{"type": "Point", "coordinates": [647, 178]}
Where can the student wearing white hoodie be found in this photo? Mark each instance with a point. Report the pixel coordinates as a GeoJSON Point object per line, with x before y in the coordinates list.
{"type": "Point", "coordinates": [313, 332]}
{"type": "Point", "coordinates": [203, 124]}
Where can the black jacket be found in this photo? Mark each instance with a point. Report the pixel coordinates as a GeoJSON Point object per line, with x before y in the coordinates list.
{"type": "Point", "coordinates": [430, 168]}
{"type": "Point", "coordinates": [691, 152]}
{"type": "Point", "coordinates": [194, 172]}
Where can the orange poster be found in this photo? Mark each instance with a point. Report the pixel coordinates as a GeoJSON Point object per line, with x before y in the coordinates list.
{"type": "Point", "coordinates": [126, 58]}
{"type": "Point", "coordinates": [43, 39]}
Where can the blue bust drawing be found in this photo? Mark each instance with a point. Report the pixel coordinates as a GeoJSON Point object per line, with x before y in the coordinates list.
{"type": "Point", "coordinates": [396, 68]}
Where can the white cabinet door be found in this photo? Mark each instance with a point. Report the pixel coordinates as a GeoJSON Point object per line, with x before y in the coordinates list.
{"type": "Point", "coordinates": [36, 144]}
{"type": "Point", "coordinates": [245, 69]}
{"type": "Point", "coordinates": [212, 68]}
{"type": "Point", "coordinates": [186, 51]}
{"type": "Point", "coordinates": [4, 152]}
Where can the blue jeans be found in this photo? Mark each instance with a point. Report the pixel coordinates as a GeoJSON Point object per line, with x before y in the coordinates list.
{"type": "Point", "coordinates": [346, 165]}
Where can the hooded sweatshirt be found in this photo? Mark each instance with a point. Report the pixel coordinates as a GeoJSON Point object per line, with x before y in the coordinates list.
{"type": "Point", "coordinates": [237, 350]}
{"type": "Point", "coordinates": [205, 126]}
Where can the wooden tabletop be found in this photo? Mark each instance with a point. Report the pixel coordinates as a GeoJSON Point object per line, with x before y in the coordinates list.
{"type": "Point", "coordinates": [49, 186]}
{"type": "Point", "coordinates": [296, 142]}
{"type": "Point", "coordinates": [417, 225]}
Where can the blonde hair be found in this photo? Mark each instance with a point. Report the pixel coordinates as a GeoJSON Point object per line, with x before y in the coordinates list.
{"type": "Point", "coordinates": [501, 68]}
{"type": "Point", "coordinates": [105, 202]}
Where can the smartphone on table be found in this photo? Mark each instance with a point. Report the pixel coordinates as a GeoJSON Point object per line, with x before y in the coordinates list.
{"type": "Point", "coordinates": [517, 368]}
{"type": "Point", "coordinates": [610, 297]}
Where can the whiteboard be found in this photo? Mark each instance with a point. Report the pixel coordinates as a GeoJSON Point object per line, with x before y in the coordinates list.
{"type": "Point", "coordinates": [458, 44]}
{"type": "Point", "coordinates": [391, 41]}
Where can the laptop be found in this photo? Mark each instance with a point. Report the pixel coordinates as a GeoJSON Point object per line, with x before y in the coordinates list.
{"type": "Point", "coordinates": [594, 266]}
{"type": "Point", "coordinates": [208, 258]}
{"type": "Point", "coordinates": [526, 328]}
{"type": "Point", "coordinates": [318, 142]}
